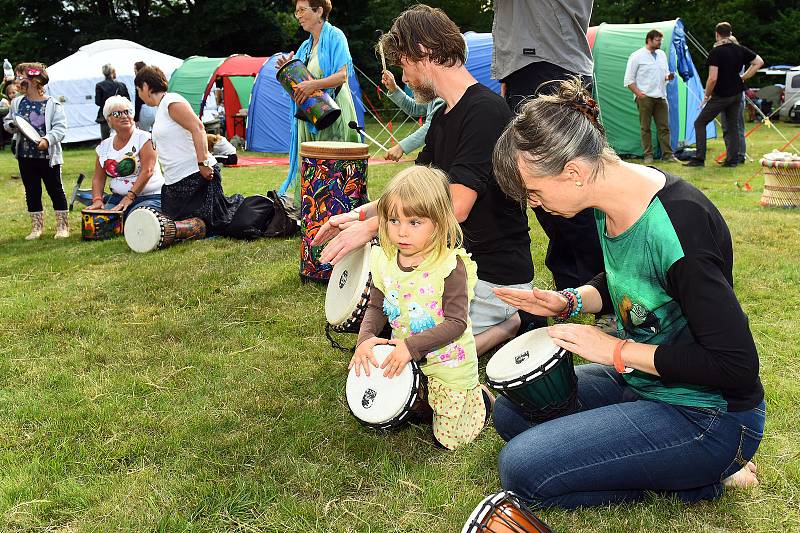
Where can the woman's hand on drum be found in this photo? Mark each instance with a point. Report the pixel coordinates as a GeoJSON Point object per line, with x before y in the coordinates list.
{"type": "Point", "coordinates": [586, 341]}
{"type": "Point", "coordinates": [123, 204]}
{"type": "Point", "coordinates": [387, 78]}
{"type": "Point", "coordinates": [536, 301]}
{"type": "Point", "coordinates": [283, 60]}
{"type": "Point", "coordinates": [97, 204]}
{"type": "Point", "coordinates": [364, 356]}
{"type": "Point", "coordinates": [397, 360]}
{"type": "Point", "coordinates": [304, 89]}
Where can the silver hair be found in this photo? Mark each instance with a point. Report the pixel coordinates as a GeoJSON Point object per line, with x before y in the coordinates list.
{"type": "Point", "coordinates": [116, 103]}
{"type": "Point", "coordinates": [549, 132]}
{"type": "Point", "coordinates": [107, 70]}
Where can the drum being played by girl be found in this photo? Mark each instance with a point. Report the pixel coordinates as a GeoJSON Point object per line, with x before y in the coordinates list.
{"type": "Point", "coordinates": [504, 512]}
{"type": "Point", "coordinates": [535, 374]}
{"type": "Point", "coordinates": [382, 403]}
{"type": "Point", "coordinates": [147, 230]}
{"type": "Point", "coordinates": [319, 109]}
{"type": "Point", "coordinates": [333, 180]}
{"type": "Point", "coordinates": [100, 224]}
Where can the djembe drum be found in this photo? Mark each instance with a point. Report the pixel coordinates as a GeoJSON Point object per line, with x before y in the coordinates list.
{"type": "Point", "coordinates": [147, 230]}
{"type": "Point", "coordinates": [333, 180]}
{"type": "Point", "coordinates": [319, 109]}
{"type": "Point", "coordinates": [781, 180]}
{"type": "Point", "coordinates": [100, 224]}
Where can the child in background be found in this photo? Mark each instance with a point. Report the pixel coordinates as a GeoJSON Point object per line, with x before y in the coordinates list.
{"type": "Point", "coordinates": [40, 162]}
{"type": "Point", "coordinates": [413, 109]}
{"type": "Point", "coordinates": [223, 151]}
{"type": "Point", "coordinates": [422, 283]}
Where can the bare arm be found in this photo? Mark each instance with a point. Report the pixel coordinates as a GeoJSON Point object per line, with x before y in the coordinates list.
{"type": "Point", "coordinates": [182, 113]}
{"type": "Point", "coordinates": [463, 200]}
{"type": "Point", "coordinates": [755, 64]}
{"type": "Point", "coordinates": [711, 82]}
{"type": "Point", "coordinates": [148, 161]}
{"type": "Point", "coordinates": [98, 184]}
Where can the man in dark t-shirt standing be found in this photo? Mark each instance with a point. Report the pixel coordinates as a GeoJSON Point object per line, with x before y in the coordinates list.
{"type": "Point", "coordinates": [460, 141]}
{"type": "Point", "coordinates": [723, 94]}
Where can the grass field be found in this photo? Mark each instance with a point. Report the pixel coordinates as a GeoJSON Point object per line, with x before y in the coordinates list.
{"type": "Point", "coordinates": [193, 389]}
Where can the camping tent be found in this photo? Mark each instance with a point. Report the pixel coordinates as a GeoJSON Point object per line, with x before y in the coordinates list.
{"type": "Point", "coordinates": [479, 58]}
{"type": "Point", "coordinates": [72, 80]}
{"type": "Point", "coordinates": [268, 119]}
{"type": "Point", "coordinates": [192, 77]}
{"type": "Point", "coordinates": [612, 44]}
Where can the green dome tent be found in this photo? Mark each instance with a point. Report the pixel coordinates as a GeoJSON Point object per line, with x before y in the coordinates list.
{"type": "Point", "coordinates": [611, 45]}
{"type": "Point", "coordinates": [191, 78]}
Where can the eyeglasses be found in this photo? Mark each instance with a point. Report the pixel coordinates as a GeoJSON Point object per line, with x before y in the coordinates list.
{"type": "Point", "coordinates": [122, 113]}
{"type": "Point", "coordinates": [300, 11]}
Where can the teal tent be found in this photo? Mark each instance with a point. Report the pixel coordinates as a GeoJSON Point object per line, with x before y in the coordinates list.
{"type": "Point", "coordinates": [612, 44]}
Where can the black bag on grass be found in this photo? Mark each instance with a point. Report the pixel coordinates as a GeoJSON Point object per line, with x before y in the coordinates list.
{"type": "Point", "coordinates": [251, 219]}
{"type": "Point", "coordinates": [281, 225]}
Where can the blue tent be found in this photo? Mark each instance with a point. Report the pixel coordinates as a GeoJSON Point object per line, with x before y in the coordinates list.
{"type": "Point", "coordinates": [269, 115]}
{"type": "Point", "coordinates": [479, 58]}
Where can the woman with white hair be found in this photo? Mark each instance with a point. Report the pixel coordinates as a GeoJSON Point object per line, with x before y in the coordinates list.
{"type": "Point", "coordinates": [129, 160]}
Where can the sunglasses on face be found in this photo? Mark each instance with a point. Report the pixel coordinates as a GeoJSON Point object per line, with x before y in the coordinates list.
{"type": "Point", "coordinates": [301, 10]}
{"type": "Point", "coordinates": [122, 113]}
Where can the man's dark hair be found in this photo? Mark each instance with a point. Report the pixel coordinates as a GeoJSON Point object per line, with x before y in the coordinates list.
{"type": "Point", "coordinates": [652, 34]}
{"type": "Point", "coordinates": [424, 32]}
{"type": "Point", "coordinates": [724, 29]}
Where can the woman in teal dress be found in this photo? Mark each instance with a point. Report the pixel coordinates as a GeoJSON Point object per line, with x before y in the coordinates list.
{"type": "Point", "coordinates": [327, 57]}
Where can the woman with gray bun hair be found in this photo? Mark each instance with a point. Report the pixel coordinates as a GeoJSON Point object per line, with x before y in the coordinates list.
{"type": "Point", "coordinates": [103, 91]}
{"type": "Point", "coordinates": [673, 403]}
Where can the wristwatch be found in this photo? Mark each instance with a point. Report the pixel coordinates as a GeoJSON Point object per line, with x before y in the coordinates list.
{"type": "Point", "coordinates": [206, 163]}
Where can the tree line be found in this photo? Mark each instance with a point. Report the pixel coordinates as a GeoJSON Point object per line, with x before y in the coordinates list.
{"type": "Point", "coordinates": [49, 30]}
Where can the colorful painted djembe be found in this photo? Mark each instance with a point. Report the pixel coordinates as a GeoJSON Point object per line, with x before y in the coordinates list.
{"type": "Point", "coordinates": [333, 180]}
{"type": "Point", "coordinates": [100, 224]}
{"type": "Point", "coordinates": [319, 109]}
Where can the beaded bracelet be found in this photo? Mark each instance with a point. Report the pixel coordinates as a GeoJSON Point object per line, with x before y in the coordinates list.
{"type": "Point", "coordinates": [571, 303]}
{"type": "Point", "coordinates": [575, 311]}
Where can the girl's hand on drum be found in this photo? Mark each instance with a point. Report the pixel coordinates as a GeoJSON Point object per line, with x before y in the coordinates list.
{"type": "Point", "coordinates": [387, 78]}
{"type": "Point", "coordinates": [364, 356]}
{"type": "Point", "coordinates": [586, 341]}
{"type": "Point", "coordinates": [397, 359]}
{"type": "Point", "coordinates": [536, 301]}
{"type": "Point", "coordinates": [283, 60]}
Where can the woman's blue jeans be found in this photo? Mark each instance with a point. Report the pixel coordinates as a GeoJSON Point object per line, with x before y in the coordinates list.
{"type": "Point", "coordinates": [620, 446]}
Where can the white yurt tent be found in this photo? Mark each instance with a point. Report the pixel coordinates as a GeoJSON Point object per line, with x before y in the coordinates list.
{"type": "Point", "coordinates": [72, 80]}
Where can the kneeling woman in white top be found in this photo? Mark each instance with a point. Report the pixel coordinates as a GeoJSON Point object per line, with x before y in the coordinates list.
{"type": "Point", "coordinates": [192, 180]}
{"type": "Point", "coordinates": [129, 160]}
{"type": "Point", "coordinates": [222, 150]}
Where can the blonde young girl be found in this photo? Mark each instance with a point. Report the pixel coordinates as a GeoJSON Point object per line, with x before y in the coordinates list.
{"type": "Point", "coordinates": [422, 283]}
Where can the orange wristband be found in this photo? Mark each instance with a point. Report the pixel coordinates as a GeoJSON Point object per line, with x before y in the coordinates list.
{"type": "Point", "coordinates": [362, 216]}
{"type": "Point", "coordinates": [619, 366]}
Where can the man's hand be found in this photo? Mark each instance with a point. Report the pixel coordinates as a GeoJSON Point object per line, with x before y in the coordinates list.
{"type": "Point", "coordinates": [387, 78]}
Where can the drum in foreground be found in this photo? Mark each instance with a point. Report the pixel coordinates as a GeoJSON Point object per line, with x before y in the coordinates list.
{"type": "Point", "coordinates": [382, 403]}
{"type": "Point", "coordinates": [504, 512]}
{"type": "Point", "coordinates": [535, 374]}
{"type": "Point", "coordinates": [333, 180]}
{"type": "Point", "coordinates": [147, 230]}
{"type": "Point", "coordinates": [781, 180]}
{"type": "Point", "coordinates": [348, 291]}
{"type": "Point", "coordinates": [100, 224]}
{"type": "Point", "coordinates": [319, 109]}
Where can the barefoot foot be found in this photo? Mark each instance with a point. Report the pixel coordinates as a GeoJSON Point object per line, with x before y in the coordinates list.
{"type": "Point", "coordinates": [744, 478]}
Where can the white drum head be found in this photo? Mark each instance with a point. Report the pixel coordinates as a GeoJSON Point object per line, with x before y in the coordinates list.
{"type": "Point", "coordinates": [143, 231]}
{"type": "Point", "coordinates": [522, 356]}
{"type": "Point", "coordinates": [347, 283]}
{"type": "Point", "coordinates": [27, 130]}
{"type": "Point", "coordinates": [375, 399]}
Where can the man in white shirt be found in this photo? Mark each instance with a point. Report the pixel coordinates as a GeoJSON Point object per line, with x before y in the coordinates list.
{"type": "Point", "coordinates": [646, 76]}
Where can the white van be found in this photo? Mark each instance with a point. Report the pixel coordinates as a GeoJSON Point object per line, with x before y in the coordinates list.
{"type": "Point", "coordinates": [791, 96]}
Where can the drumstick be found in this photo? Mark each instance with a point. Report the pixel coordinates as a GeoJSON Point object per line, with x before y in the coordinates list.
{"type": "Point", "coordinates": [379, 34]}
{"type": "Point", "coordinates": [354, 125]}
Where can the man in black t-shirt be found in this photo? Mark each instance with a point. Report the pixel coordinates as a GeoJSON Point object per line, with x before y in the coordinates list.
{"type": "Point", "coordinates": [460, 141]}
{"type": "Point", "coordinates": [724, 89]}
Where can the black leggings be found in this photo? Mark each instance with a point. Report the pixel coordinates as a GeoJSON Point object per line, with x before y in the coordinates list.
{"type": "Point", "coordinates": [227, 160]}
{"type": "Point", "coordinates": [34, 172]}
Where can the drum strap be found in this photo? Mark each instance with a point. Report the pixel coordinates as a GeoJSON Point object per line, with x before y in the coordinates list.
{"type": "Point", "coordinates": [335, 343]}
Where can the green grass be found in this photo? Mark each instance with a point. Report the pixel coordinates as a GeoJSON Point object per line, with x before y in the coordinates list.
{"type": "Point", "coordinates": [193, 389]}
